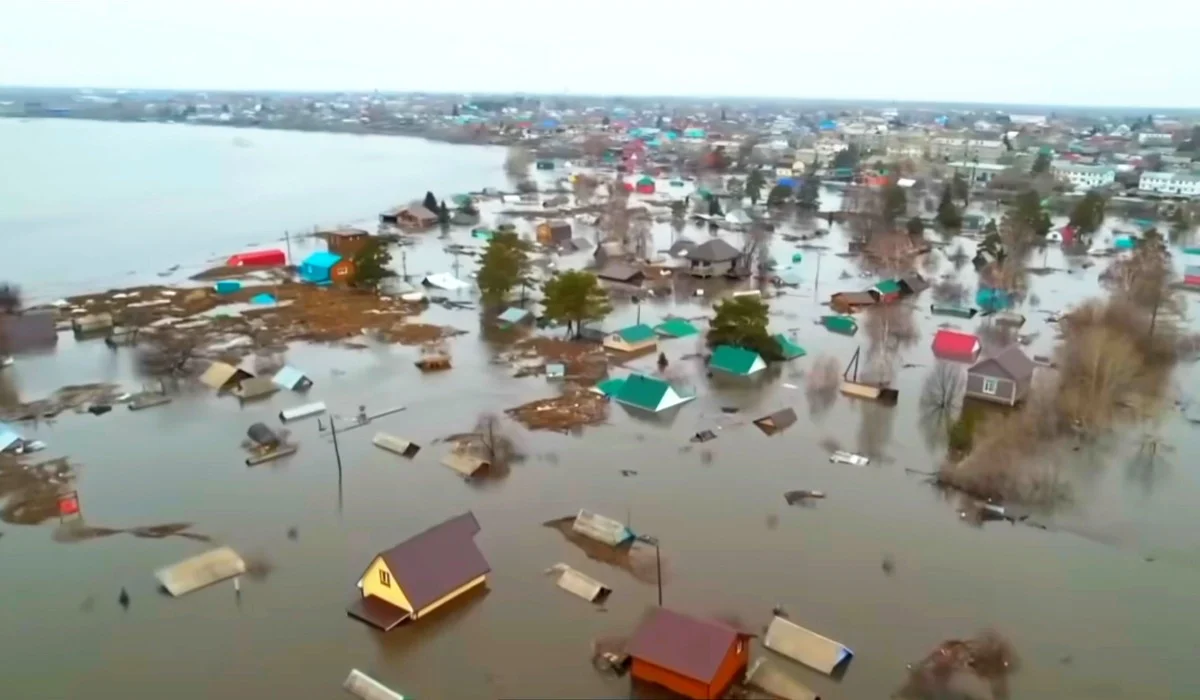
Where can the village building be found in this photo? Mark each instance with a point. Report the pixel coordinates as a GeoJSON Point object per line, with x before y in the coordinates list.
{"type": "Point", "coordinates": [621, 273]}
{"type": "Point", "coordinates": [555, 232]}
{"type": "Point", "coordinates": [1171, 184]}
{"type": "Point", "coordinates": [346, 242]}
{"type": "Point", "coordinates": [421, 574]}
{"type": "Point", "coordinates": [695, 658]}
{"type": "Point", "coordinates": [736, 361]}
{"type": "Point", "coordinates": [850, 302]}
{"type": "Point", "coordinates": [323, 268]}
{"type": "Point", "coordinates": [713, 258]}
{"type": "Point", "coordinates": [955, 345]}
{"type": "Point", "coordinates": [1083, 177]}
{"type": "Point", "coordinates": [27, 332]}
{"type": "Point", "coordinates": [1004, 378]}
{"type": "Point", "coordinates": [639, 338]}
{"type": "Point", "coordinates": [257, 258]}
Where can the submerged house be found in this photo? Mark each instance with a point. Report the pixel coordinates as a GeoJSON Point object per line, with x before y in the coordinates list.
{"type": "Point", "coordinates": [1003, 378]}
{"type": "Point", "coordinates": [292, 379]}
{"type": "Point", "coordinates": [737, 361]}
{"type": "Point", "coordinates": [955, 345]}
{"type": "Point", "coordinates": [692, 657]}
{"type": "Point", "coordinates": [222, 376]}
{"type": "Point", "coordinates": [644, 393]}
{"type": "Point", "coordinates": [639, 338]}
{"type": "Point", "coordinates": [421, 574]}
{"type": "Point", "coordinates": [713, 258]}
{"type": "Point", "coordinates": [323, 268]}
{"type": "Point", "coordinates": [556, 232]}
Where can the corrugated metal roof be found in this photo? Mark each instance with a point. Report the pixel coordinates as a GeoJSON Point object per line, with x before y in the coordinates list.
{"type": "Point", "coordinates": [1012, 361]}
{"type": "Point", "coordinates": [580, 584]}
{"type": "Point", "coordinates": [688, 646]}
{"type": "Point", "coordinates": [400, 446]}
{"type": "Point", "coordinates": [200, 571]}
{"type": "Point", "coordinates": [464, 464]}
{"type": "Point", "coordinates": [601, 529]}
{"type": "Point", "coordinates": [439, 560]}
{"type": "Point", "coordinates": [255, 387]}
{"type": "Point", "coordinates": [363, 686]}
{"type": "Point", "coordinates": [788, 639]}
{"type": "Point", "coordinates": [217, 375]}
{"type": "Point", "coordinates": [768, 676]}
{"type": "Point", "coordinates": [955, 345]}
{"type": "Point", "coordinates": [289, 377]}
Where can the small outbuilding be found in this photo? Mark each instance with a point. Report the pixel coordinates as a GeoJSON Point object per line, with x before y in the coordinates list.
{"type": "Point", "coordinates": [421, 574]}
{"type": "Point", "coordinates": [292, 379]}
{"type": "Point", "coordinates": [27, 332]}
{"type": "Point", "coordinates": [346, 242]}
{"type": "Point", "coordinates": [692, 657]}
{"type": "Point", "coordinates": [514, 316]}
{"type": "Point", "coordinates": [222, 376]}
{"type": "Point", "coordinates": [646, 393]}
{"type": "Point", "coordinates": [622, 273]}
{"type": "Point", "coordinates": [257, 258]}
{"type": "Point", "coordinates": [850, 302]}
{"type": "Point", "coordinates": [1004, 378]}
{"type": "Point", "coordinates": [557, 232]}
{"type": "Point", "coordinates": [955, 345]}
{"type": "Point", "coordinates": [713, 258]}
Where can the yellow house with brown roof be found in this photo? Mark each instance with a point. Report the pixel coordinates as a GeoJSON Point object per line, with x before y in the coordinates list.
{"type": "Point", "coordinates": [421, 574]}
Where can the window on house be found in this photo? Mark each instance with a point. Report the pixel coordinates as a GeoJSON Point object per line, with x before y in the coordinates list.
{"type": "Point", "coordinates": [385, 578]}
{"type": "Point", "coordinates": [991, 386]}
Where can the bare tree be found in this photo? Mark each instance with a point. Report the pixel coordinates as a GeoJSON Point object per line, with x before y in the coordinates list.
{"type": "Point", "coordinates": [821, 384]}
{"type": "Point", "coordinates": [171, 355]}
{"type": "Point", "coordinates": [493, 443]}
{"type": "Point", "coordinates": [517, 163]}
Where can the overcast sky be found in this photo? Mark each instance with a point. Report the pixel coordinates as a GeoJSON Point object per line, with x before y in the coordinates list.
{"type": "Point", "coordinates": [1077, 52]}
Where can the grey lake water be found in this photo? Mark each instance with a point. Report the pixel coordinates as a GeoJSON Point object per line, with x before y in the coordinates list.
{"type": "Point", "coordinates": [88, 206]}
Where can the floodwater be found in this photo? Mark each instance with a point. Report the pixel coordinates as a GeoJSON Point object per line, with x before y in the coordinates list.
{"type": "Point", "coordinates": [1090, 617]}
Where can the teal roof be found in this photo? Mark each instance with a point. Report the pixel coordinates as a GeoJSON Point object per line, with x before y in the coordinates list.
{"type": "Point", "coordinates": [840, 324]}
{"type": "Point", "coordinates": [888, 287]}
{"type": "Point", "coordinates": [676, 328]}
{"type": "Point", "coordinates": [609, 387]}
{"type": "Point", "coordinates": [637, 334]}
{"type": "Point", "coordinates": [732, 359]}
{"type": "Point", "coordinates": [513, 315]}
{"type": "Point", "coordinates": [789, 349]}
{"type": "Point", "coordinates": [642, 392]}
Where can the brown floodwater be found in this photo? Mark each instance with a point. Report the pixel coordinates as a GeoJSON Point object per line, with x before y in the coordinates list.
{"type": "Point", "coordinates": [731, 546]}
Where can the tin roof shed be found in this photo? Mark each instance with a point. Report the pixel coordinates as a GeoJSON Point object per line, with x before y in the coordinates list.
{"type": "Point", "coordinates": [602, 529]}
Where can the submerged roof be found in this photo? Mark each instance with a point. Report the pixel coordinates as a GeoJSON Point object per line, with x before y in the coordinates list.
{"type": "Point", "coordinates": [676, 328]}
{"type": "Point", "coordinates": [735, 360]}
{"type": "Point", "coordinates": [688, 646]}
{"type": "Point", "coordinates": [437, 561]}
{"type": "Point", "coordinates": [715, 250]}
{"type": "Point", "coordinates": [1011, 362]}
{"type": "Point", "coordinates": [788, 347]}
{"type": "Point", "coordinates": [637, 334]}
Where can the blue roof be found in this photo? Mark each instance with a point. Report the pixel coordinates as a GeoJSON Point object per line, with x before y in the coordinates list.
{"type": "Point", "coordinates": [787, 182]}
{"type": "Point", "coordinates": [287, 377]}
{"type": "Point", "coordinates": [263, 298]}
{"type": "Point", "coordinates": [7, 436]}
{"type": "Point", "coordinates": [513, 315]}
{"type": "Point", "coordinates": [322, 258]}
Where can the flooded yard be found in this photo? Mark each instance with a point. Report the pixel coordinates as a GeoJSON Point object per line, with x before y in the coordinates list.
{"type": "Point", "coordinates": [1099, 604]}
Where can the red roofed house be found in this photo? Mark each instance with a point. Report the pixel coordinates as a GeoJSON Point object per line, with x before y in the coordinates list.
{"type": "Point", "coordinates": [257, 258]}
{"type": "Point", "coordinates": [421, 574]}
{"type": "Point", "coordinates": [695, 658]}
{"type": "Point", "coordinates": [955, 345]}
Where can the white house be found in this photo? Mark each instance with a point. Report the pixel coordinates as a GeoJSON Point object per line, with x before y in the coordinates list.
{"type": "Point", "coordinates": [1150, 138]}
{"type": "Point", "coordinates": [1083, 177]}
{"type": "Point", "coordinates": [966, 149]}
{"type": "Point", "coordinates": [1179, 184]}
{"type": "Point", "coordinates": [977, 172]}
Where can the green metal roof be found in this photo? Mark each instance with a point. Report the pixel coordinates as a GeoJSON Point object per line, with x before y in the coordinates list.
{"type": "Point", "coordinates": [513, 315]}
{"type": "Point", "coordinates": [888, 287]}
{"type": "Point", "coordinates": [840, 324]}
{"type": "Point", "coordinates": [646, 181]}
{"type": "Point", "coordinates": [642, 391]}
{"type": "Point", "coordinates": [676, 328]}
{"type": "Point", "coordinates": [790, 350]}
{"type": "Point", "coordinates": [732, 359]}
{"type": "Point", "coordinates": [637, 334]}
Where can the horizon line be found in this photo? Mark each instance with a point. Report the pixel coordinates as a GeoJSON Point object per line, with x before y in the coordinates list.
{"type": "Point", "coordinates": [856, 101]}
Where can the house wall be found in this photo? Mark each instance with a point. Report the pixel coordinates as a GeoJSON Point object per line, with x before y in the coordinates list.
{"type": "Point", "coordinates": [373, 585]}
{"type": "Point", "coordinates": [343, 271]}
{"type": "Point", "coordinates": [449, 597]}
{"type": "Point", "coordinates": [687, 687]}
{"type": "Point", "coordinates": [731, 669]}
{"type": "Point", "coordinates": [1006, 391]}
{"type": "Point", "coordinates": [719, 269]}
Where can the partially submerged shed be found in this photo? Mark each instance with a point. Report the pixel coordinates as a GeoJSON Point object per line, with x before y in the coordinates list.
{"type": "Point", "coordinates": [776, 422]}
{"type": "Point", "coordinates": [788, 347]}
{"type": "Point", "coordinates": [395, 445]}
{"type": "Point", "coordinates": [578, 583]}
{"type": "Point", "coordinates": [200, 571]}
{"type": "Point", "coordinates": [647, 393]}
{"type": "Point", "coordinates": [290, 378]}
{"type": "Point", "coordinates": [222, 376]}
{"type": "Point", "coordinates": [464, 463]}
{"type": "Point", "coordinates": [955, 345]}
{"type": "Point", "coordinates": [786, 638]}
{"type": "Point", "coordinates": [421, 574]}
{"type": "Point", "coordinates": [254, 388]}
{"type": "Point", "coordinates": [92, 323]}
{"type": "Point", "coordinates": [676, 328]}
{"type": "Point", "coordinates": [364, 687]}
{"type": "Point", "coordinates": [767, 675]}
{"type": "Point", "coordinates": [623, 273]}
{"type": "Point", "coordinates": [601, 529]}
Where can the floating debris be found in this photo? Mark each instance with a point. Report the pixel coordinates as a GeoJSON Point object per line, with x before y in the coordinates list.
{"type": "Point", "coordinates": [802, 497]}
{"type": "Point", "coordinates": [574, 409]}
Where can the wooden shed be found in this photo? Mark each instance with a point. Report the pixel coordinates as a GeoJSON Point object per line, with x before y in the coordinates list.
{"type": "Point", "coordinates": [1002, 378]}
{"type": "Point", "coordinates": [692, 657]}
{"type": "Point", "coordinates": [346, 242]}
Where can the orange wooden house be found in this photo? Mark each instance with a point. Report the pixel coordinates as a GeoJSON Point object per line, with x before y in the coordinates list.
{"type": "Point", "coordinates": [695, 658]}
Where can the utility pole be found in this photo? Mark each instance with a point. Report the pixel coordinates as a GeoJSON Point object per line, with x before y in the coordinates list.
{"type": "Point", "coordinates": [338, 455]}
{"type": "Point", "coordinates": [404, 263]}
{"type": "Point", "coordinates": [817, 280]}
{"type": "Point", "coordinates": [287, 237]}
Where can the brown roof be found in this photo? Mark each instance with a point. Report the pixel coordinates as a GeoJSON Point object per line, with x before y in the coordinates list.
{"type": "Point", "coordinates": [435, 562]}
{"type": "Point", "coordinates": [618, 272]}
{"type": "Point", "coordinates": [1011, 362]}
{"type": "Point", "coordinates": [686, 645]}
{"type": "Point", "coordinates": [377, 612]}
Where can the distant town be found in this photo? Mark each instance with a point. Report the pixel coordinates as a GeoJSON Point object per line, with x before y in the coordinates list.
{"type": "Point", "coordinates": [1125, 154]}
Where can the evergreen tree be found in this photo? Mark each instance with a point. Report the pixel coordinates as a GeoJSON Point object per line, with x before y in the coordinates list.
{"type": "Point", "coordinates": [575, 297]}
{"type": "Point", "coordinates": [503, 266]}
{"type": "Point", "coordinates": [947, 214]}
{"type": "Point", "coordinates": [754, 184]}
{"type": "Point", "coordinates": [430, 202]}
{"type": "Point", "coordinates": [895, 202]}
{"type": "Point", "coordinates": [742, 322]}
{"type": "Point", "coordinates": [371, 263]}
{"type": "Point", "coordinates": [443, 213]}
{"type": "Point", "coordinates": [1041, 164]}
{"type": "Point", "coordinates": [809, 196]}
{"type": "Point", "coordinates": [1088, 214]}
